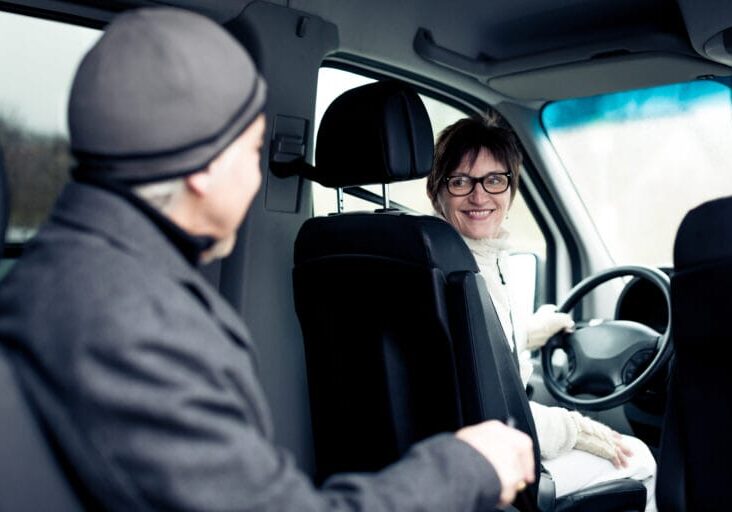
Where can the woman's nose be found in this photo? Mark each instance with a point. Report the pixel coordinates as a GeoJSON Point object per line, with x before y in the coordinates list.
{"type": "Point", "coordinates": [479, 193]}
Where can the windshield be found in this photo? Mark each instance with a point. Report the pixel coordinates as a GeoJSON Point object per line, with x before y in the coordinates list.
{"type": "Point", "coordinates": [641, 159]}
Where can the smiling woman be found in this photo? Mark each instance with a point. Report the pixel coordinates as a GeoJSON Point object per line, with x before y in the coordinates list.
{"type": "Point", "coordinates": [641, 159]}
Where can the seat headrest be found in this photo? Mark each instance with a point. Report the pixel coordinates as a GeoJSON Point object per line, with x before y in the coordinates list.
{"type": "Point", "coordinates": [377, 133]}
{"type": "Point", "coordinates": [705, 235]}
{"type": "Point", "coordinates": [4, 202]}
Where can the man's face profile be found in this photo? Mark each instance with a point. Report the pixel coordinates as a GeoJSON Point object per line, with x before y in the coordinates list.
{"type": "Point", "coordinates": [229, 185]}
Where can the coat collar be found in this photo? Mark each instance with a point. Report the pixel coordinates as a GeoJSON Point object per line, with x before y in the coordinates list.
{"type": "Point", "coordinates": [114, 218]}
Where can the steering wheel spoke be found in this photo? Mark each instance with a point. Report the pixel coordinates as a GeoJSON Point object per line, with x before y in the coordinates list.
{"type": "Point", "coordinates": [608, 359]}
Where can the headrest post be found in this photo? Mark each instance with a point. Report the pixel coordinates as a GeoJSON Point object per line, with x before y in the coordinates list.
{"type": "Point", "coordinates": [385, 195]}
{"type": "Point", "coordinates": [339, 200]}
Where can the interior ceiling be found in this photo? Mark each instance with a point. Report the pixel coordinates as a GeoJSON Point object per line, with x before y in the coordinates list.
{"type": "Point", "coordinates": [509, 45]}
{"type": "Point", "coordinates": [506, 29]}
{"type": "Point", "coordinates": [516, 48]}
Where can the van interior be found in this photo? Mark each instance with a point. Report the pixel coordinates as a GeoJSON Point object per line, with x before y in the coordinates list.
{"type": "Point", "coordinates": [623, 110]}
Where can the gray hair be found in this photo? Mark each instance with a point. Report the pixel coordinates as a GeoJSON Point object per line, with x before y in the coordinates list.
{"type": "Point", "coordinates": [160, 195]}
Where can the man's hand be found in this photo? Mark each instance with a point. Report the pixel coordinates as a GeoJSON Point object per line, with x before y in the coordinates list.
{"type": "Point", "coordinates": [544, 324]}
{"type": "Point", "coordinates": [508, 450]}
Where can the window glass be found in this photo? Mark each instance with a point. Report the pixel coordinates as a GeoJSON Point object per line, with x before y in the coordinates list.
{"type": "Point", "coordinates": [641, 159]}
{"type": "Point", "coordinates": [38, 60]}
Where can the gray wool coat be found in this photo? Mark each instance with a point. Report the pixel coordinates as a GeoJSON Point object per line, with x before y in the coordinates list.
{"type": "Point", "coordinates": [146, 380]}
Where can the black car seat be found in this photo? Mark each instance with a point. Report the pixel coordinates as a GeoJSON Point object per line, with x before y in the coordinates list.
{"type": "Point", "coordinates": [401, 338]}
{"type": "Point", "coordinates": [31, 477]}
{"type": "Point", "coordinates": [693, 469]}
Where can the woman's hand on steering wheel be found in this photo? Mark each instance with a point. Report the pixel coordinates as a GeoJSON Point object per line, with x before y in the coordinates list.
{"type": "Point", "coordinates": [544, 324]}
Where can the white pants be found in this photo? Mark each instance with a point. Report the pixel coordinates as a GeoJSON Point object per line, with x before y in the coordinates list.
{"type": "Point", "coordinates": [577, 470]}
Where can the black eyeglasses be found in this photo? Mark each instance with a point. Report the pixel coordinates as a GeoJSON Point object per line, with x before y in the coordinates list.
{"type": "Point", "coordinates": [493, 183]}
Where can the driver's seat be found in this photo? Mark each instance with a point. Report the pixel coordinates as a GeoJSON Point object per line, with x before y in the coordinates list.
{"type": "Point", "coordinates": [401, 338]}
{"type": "Point", "coordinates": [694, 463]}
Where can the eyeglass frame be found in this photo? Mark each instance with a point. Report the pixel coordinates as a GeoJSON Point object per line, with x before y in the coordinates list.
{"type": "Point", "coordinates": [474, 181]}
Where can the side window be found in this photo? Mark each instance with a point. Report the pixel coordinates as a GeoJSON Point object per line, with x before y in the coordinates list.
{"type": "Point", "coordinates": [527, 240]}
{"type": "Point", "coordinates": [38, 59]}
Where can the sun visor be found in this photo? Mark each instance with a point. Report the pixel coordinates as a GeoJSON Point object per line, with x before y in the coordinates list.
{"type": "Point", "coordinates": [600, 76]}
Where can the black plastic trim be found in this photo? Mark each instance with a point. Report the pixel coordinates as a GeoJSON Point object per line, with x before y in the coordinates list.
{"type": "Point", "coordinates": [45, 14]}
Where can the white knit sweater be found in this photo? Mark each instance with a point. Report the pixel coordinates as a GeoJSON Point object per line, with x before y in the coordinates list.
{"type": "Point", "coordinates": [555, 427]}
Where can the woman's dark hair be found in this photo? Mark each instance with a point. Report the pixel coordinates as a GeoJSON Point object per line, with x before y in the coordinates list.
{"type": "Point", "coordinates": [467, 137]}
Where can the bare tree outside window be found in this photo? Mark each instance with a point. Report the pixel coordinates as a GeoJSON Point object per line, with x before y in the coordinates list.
{"type": "Point", "coordinates": [39, 59]}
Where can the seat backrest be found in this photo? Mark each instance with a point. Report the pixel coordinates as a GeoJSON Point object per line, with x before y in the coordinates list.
{"type": "Point", "coordinates": [401, 338]}
{"type": "Point", "coordinates": [693, 470]}
{"type": "Point", "coordinates": [31, 477]}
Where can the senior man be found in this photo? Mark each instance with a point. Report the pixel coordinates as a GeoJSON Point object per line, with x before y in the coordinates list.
{"type": "Point", "coordinates": [144, 375]}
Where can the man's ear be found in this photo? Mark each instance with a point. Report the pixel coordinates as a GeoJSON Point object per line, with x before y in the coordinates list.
{"type": "Point", "coordinates": [199, 182]}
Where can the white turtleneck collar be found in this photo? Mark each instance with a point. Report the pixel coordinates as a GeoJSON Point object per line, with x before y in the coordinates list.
{"type": "Point", "coordinates": [489, 247]}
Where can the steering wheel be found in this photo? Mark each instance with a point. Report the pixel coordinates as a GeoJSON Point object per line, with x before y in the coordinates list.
{"type": "Point", "coordinates": [607, 358]}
